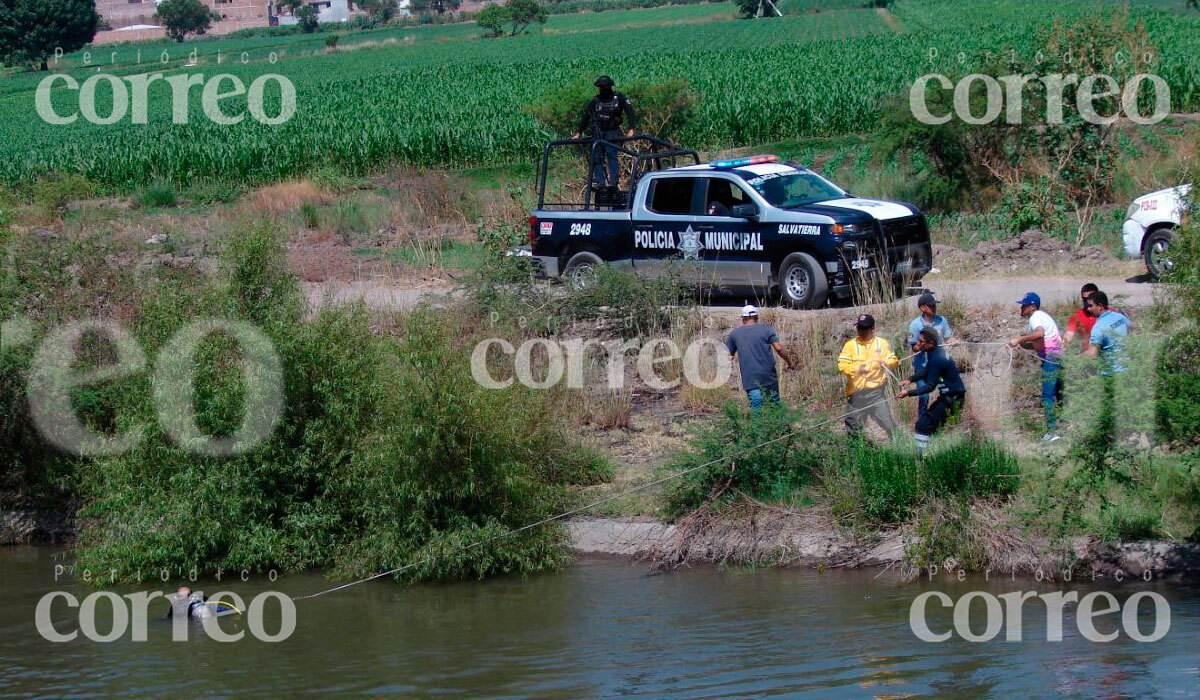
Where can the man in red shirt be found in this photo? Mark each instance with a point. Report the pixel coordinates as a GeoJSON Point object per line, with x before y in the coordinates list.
{"type": "Point", "coordinates": [1080, 323]}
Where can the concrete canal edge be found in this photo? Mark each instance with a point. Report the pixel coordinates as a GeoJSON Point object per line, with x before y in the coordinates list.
{"type": "Point", "coordinates": [797, 543]}
{"type": "Point", "coordinates": [782, 540]}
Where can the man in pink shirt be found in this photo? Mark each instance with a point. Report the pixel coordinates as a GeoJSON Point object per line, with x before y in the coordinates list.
{"type": "Point", "coordinates": [1043, 336]}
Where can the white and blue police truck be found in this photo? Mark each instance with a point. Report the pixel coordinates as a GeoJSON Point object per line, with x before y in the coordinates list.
{"type": "Point", "coordinates": [753, 224]}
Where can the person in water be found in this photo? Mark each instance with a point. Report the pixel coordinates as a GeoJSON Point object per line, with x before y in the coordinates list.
{"type": "Point", "coordinates": [185, 603]}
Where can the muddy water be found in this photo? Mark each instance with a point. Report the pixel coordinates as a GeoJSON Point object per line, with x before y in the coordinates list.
{"type": "Point", "coordinates": [601, 628]}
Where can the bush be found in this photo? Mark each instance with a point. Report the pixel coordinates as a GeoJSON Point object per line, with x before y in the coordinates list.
{"type": "Point", "coordinates": [772, 472]}
{"type": "Point", "coordinates": [387, 451]}
{"type": "Point", "coordinates": [1035, 203]}
{"type": "Point", "coordinates": [1177, 390]}
{"type": "Point", "coordinates": [642, 306]}
{"type": "Point", "coordinates": [157, 195]}
{"type": "Point", "coordinates": [54, 192]}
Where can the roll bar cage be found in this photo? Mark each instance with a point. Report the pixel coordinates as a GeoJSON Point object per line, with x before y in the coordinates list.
{"type": "Point", "coordinates": [646, 152]}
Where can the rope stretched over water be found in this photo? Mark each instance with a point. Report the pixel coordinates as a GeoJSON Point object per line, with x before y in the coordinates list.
{"type": "Point", "coordinates": [600, 502]}
{"type": "Point", "coordinates": [635, 489]}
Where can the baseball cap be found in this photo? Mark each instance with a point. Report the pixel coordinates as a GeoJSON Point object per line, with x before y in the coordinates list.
{"type": "Point", "coordinates": [865, 321]}
{"type": "Point", "coordinates": [1030, 298]}
{"type": "Point", "coordinates": [749, 310]}
{"type": "Point", "coordinates": [926, 299]}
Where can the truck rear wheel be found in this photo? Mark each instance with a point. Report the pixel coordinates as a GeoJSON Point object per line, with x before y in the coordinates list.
{"type": "Point", "coordinates": [580, 271]}
{"type": "Point", "coordinates": [802, 283]}
{"type": "Point", "coordinates": [1157, 252]}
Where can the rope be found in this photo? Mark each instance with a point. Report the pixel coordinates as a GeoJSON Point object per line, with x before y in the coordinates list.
{"type": "Point", "coordinates": [602, 501]}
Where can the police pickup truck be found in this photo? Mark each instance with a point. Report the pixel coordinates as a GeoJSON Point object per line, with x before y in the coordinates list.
{"type": "Point", "coordinates": [752, 224]}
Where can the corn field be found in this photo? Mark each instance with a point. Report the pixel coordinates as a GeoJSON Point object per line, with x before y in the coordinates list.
{"type": "Point", "coordinates": [457, 101]}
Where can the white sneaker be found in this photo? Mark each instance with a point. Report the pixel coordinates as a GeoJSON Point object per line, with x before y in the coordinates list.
{"type": "Point", "coordinates": [1051, 437]}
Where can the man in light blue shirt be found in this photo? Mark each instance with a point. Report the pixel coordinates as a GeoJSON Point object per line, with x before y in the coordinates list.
{"type": "Point", "coordinates": [929, 318]}
{"type": "Point", "coordinates": [1108, 335]}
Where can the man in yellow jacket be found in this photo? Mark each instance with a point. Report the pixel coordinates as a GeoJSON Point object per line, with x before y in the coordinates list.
{"type": "Point", "coordinates": [865, 361]}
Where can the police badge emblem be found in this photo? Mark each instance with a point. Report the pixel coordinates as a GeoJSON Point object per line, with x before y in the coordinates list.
{"type": "Point", "coordinates": [690, 245]}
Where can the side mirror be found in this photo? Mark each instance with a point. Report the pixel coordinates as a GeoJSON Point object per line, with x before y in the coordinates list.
{"type": "Point", "coordinates": [744, 211]}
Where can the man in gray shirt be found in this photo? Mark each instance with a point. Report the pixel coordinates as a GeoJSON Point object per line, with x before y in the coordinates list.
{"type": "Point", "coordinates": [751, 343]}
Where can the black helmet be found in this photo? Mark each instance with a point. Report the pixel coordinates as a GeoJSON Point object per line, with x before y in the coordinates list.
{"type": "Point", "coordinates": [604, 82]}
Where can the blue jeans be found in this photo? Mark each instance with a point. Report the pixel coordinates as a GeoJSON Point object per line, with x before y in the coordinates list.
{"type": "Point", "coordinates": [1052, 387]}
{"type": "Point", "coordinates": [756, 397]}
{"type": "Point", "coordinates": [602, 175]}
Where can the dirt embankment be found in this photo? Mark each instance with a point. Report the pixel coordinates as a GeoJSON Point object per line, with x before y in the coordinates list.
{"type": "Point", "coordinates": [1030, 252]}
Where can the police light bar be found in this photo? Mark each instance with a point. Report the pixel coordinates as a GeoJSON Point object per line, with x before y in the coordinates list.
{"type": "Point", "coordinates": [740, 162]}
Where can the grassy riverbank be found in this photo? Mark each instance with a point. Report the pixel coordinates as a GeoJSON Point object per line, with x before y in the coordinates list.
{"type": "Point", "coordinates": [351, 478]}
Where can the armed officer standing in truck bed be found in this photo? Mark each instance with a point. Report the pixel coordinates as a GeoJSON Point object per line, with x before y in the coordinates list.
{"type": "Point", "coordinates": [601, 120]}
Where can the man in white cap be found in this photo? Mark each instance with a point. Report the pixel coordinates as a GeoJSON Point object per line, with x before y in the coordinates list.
{"type": "Point", "coordinates": [751, 343]}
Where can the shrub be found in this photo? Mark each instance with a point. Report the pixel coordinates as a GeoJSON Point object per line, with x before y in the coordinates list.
{"type": "Point", "coordinates": [772, 471]}
{"type": "Point", "coordinates": [387, 453]}
{"type": "Point", "coordinates": [1177, 392]}
{"type": "Point", "coordinates": [160, 194]}
{"type": "Point", "coordinates": [641, 306]}
{"type": "Point", "coordinates": [54, 192]}
{"type": "Point", "coordinates": [1035, 203]}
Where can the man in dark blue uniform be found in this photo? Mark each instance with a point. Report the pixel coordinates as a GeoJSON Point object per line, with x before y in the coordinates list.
{"type": "Point", "coordinates": [938, 372]}
{"type": "Point", "coordinates": [601, 120]}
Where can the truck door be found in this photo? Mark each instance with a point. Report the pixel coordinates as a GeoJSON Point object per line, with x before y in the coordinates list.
{"type": "Point", "coordinates": [664, 235]}
{"type": "Point", "coordinates": [732, 253]}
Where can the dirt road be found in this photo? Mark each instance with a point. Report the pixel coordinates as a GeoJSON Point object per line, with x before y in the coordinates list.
{"type": "Point", "coordinates": [985, 292]}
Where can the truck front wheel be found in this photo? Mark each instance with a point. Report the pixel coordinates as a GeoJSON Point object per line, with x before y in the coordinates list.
{"type": "Point", "coordinates": [580, 271]}
{"type": "Point", "coordinates": [802, 284]}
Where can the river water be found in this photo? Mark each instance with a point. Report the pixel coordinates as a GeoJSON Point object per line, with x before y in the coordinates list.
{"type": "Point", "coordinates": [600, 628]}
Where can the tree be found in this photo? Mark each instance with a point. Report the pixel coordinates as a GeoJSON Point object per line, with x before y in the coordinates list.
{"type": "Point", "coordinates": [291, 6]}
{"type": "Point", "coordinates": [309, 19]}
{"type": "Point", "coordinates": [493, 18]}
{"type": "Point", "coordinates": [440, 7]}
{"type": "Point", "coordinates": [31, 30]}
{"type": "Point", "coordinates": [522, 13]}
{"type": "Point", "coordinates": [382, 10]}
{"type": "Point", "coordinates": [183, 17]}
{"type": "Point", "coordinates": [757, 8]}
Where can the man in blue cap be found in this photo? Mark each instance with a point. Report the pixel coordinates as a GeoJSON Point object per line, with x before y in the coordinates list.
{"type": "Point", "coordinates": [1043, 336]}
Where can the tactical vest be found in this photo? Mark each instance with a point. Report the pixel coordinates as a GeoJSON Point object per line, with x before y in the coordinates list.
{"type": "Point", "coordinates": [606, 112]}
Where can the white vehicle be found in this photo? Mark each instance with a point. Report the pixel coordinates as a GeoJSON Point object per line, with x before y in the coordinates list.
{"type": "Point", "coordinates": [1150, 225]}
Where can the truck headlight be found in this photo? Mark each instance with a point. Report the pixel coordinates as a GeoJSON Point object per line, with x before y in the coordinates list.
{"type": "Point", "coordinates": [846, 229]}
